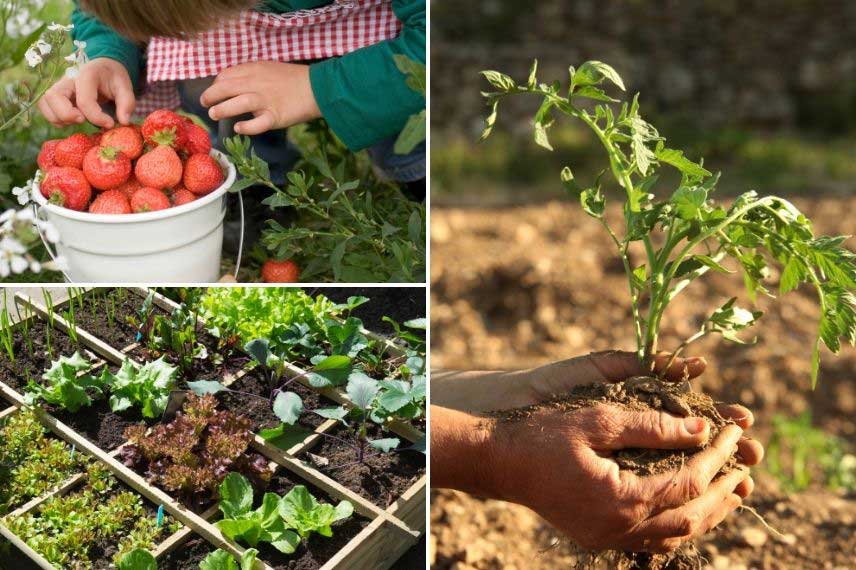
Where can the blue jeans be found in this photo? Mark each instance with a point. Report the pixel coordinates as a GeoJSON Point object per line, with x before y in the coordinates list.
{"type": "Point", "coordinates": [274, 147]}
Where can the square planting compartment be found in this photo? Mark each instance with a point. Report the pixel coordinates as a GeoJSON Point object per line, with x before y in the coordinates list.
{"type": "Point", "coordinates": [384, 525]}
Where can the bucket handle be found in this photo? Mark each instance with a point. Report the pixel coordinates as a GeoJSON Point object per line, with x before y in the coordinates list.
{"type": "Point", "coordinates": [241, 239]}
{"type": "Point", "coordinates": [37, 211]}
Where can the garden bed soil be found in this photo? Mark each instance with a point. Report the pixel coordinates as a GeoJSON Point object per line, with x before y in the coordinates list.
{"type": "Point", "coordinates": [118, 334]}
{"type": "Point", "coordinates": [14, 374]}
{"type": "Point", "coordinates": [316, 550]}
{"type": "Point", "coordinates": [399, 304]}
{"type": "Point", "coordinates": [187, 556]}
{"type": "Point", "coordinates": [382, 478]}
{"type": "Point", "coordinates": [638, 394]}
{"type": "Point", "coordinates": [261, 412]}
{"type": "Point", "coordinates": [99, 424]}
{"type": "Point", "coordinates": [203, 369]}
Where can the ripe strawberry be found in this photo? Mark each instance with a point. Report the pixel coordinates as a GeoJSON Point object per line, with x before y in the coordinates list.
{"type": "Point", "coordinates": [164, 127]}
{"type": "Point", "coordinates": [68, 187]}
{"type": "Point", "coordinates": [159, 168]}
{"type": "Point", "coordinates": [106, 167]}
{"type": "Point", "coordinates": [126, 139]}
{"type": "Point", "coordinates": [280, 271]}
{"type": "Point", "coordinates": [47, 156]}
{"type": "Point", "coordinates": [181, 196]}
{"type": "Point", "coordinates": [111, 202]}
{"type": "Point", "coordinates": [148, 200]}
{"type": "Point", "coordinates": [202, 174]}
{"type": "Point", "coordinates": [70, 151]}
{"type": "Point", "coordinates": [196, 139]}
{"type": "Point", "coordinates": [130, 186]}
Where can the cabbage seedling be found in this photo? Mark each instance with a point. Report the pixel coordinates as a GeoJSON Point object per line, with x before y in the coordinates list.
{"type": "Point", "coordinates": [697, 234]}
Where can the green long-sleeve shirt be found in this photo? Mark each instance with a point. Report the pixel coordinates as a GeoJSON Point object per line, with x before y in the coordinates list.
{"type": "Point", "coordinates": [362, 95]}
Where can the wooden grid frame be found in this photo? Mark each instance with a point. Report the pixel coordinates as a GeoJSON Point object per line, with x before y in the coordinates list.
{"type": "Point", "coordinates": [390, 532]}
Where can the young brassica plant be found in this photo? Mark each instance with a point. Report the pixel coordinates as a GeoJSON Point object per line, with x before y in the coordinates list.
{"type": "Point", "coordinates": [68, 384]}
{"type": "Point", "coordinates": [698, 234]}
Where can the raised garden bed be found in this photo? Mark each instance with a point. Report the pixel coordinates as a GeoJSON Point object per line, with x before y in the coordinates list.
{"type": "Point", "coordinates": [383, 524]}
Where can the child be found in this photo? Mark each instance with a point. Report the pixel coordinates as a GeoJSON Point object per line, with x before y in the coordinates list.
{"type": "Point", "coordinates": [232, 63]}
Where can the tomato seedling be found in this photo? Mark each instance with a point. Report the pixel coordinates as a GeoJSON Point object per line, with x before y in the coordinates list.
{"type": "Point", "coordinates": [696, 233]}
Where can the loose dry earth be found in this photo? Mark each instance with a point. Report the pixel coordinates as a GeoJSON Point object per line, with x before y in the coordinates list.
{"type": "Point", "coordinates": [518, 287]}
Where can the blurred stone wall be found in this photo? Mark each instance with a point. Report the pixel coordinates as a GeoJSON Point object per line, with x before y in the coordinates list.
{"type": "Point", "coordinates": [760, 63]}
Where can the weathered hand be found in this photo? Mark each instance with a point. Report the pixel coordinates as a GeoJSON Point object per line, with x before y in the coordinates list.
{"type": "Point", "coordinates": [559, 465]}
{"type": "Point", "coordinates": [75, 100]}
{"type": "Point", "coordinates": [278, 95]}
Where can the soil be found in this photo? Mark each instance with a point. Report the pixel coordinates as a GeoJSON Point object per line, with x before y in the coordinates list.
{"type": "Point", "coordinates": [15, 374]}
{"type": "Point", "coordinates": [641, 393]}
{"type": "Point", "coordinates": [117, 333]}
{"type": "Point", "coordinates": [186, 556]}
{"type": "Point", "coordinates": [316, 550]}
{"type": "Point", "coordinates": [260, 411]}
{"type": "Point", "coordinates": [541, 284]}
{"type": "Point", "coordinates": [399, 303]}
{"type": "Point", "coordinates": [99, 424]}
{"type": "Point", "coordinates": [205, 369]}
{"type": "Point", "coordinates": [381, 478]}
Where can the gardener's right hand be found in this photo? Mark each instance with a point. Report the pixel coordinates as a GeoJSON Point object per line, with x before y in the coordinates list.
{"type": "Point", "coordinates": [559, 464]}
{"type": "Point", "coordinates": [75, 100]}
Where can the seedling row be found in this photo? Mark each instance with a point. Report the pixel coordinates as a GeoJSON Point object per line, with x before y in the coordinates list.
{"type": "Point", "coordinates": [342, 459]}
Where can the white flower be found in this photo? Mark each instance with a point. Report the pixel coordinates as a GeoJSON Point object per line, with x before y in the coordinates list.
{"type": "Point", "coordinates": [35, 266]}
{"type": "Point", "coordinates": [19, 264]}
{"type": "Point", "coordinates": [54, 27]}
{"type": "Point", "coordinates": [43, 47]}
{"type": "Point", "coordinates": [48, 230]}
{"type": "Point", "coordinates": [32, 56]}
{"type": "Point", "coordinates": [23, 194]}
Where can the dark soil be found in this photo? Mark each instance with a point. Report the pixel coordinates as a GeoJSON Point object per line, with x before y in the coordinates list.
{"type": "Point", "coordinates": [316, 550]}
{"type": "Point", "coordinates": [381, 478]}
{"type": "Point", "coordinates": [260, 411]}
{"type": "Point", "coordinates": [118, 333]}
{"type": "Point", "coordinates": [187, 556]}
{"type": "Point", "coordinates": [99, 424]}
{"type": "Point", "coordinates": [205, 369]}
{"type": "Point", "coordinates": [399, 303]}
{"type": "Point", "coordinates": [15, 374]}
{"type": "Point", "coordinates": [640, 393]}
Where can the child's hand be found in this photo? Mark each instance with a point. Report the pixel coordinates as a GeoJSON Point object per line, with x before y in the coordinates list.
{"type": "Point", "coordinates": [73, 100]}
{"type": "Point", "coordinates": [277, 94]}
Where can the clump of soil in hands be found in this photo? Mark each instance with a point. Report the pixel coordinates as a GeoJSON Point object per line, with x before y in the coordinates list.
{"type": "Point", "coordinates": [641, 393]}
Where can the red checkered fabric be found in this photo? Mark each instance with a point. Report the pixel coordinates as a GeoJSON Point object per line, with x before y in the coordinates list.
{"type": "Point", "coordinates": [330, 31]}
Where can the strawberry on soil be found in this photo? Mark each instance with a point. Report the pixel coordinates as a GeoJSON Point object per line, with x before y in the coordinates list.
{"type": "Point", "coordinates": [274, 271]}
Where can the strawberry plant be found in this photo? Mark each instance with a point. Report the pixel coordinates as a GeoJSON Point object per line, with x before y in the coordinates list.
{"type": "Point", "coordinates": [351, 226]}
{"type": "Point", "coordinates": [68, 384]}
{"type": "Point", "coordinates": [669, 239]}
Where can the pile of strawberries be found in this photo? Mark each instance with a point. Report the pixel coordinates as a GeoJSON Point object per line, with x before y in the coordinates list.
{"type": "Point", "coordinates": [165, 162]}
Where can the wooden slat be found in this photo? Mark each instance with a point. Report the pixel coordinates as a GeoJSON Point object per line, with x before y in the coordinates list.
{"type": "Point", "coordinates": [377, 547]}
{"type": "Point", "coordinates": [8, 411]}
{"type": "Point", "coordinates": [410, 507]}
{"type": "Point", "coordinates": [178, 538]}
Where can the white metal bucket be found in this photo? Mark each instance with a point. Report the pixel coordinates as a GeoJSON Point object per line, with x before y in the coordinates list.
{"type": "Point", "coordinates": [177, 245]}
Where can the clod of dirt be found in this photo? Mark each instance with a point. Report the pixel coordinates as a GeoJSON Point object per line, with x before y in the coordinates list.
{"type": "Point", "coordinates": [640, 393]}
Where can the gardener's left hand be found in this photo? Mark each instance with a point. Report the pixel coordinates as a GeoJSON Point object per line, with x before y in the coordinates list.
{"type": "Point", "coordinates": [278, 95]}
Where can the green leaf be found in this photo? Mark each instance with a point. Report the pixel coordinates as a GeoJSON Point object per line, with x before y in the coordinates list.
{"type": "Point", "coordinates": [284, 436]}
{"type": "Point", "coordinates": [689, 202]}
{"type": "Point", "coordinates": [219, 560]}
{"type": "Point", "coordinates": [490, 120]}
{"type": "Point", "coordinates": [594, 73]}
{"type": "Point", "coordinates": [288, 406]}
{"type": "Point", "coordinates": [286, 542]}
{"type": "Point", "coordinates": [362, 390]}
{"type": "Point", "coordinates": [302, 512]}
{"type": "Point", "coordinates": [203, 387]}
{"type": "Point", "coordinates": [420, 323]}
{"type": "Point", "coordinates": [677, 159]}
{"type": "Point", "coordinates": [259, 349]}
{"type": "Point", "coordinates": [137, 559]}
{"type": "Point", "coordinates": [339, 413]}
{"type": "Point", "coordinates": [330, 371]}
{"type": "Point", "coordinates": [385, 445]}
{"type": "Point", "coordinates": [413, 133]}
{"type": "Point", "coordinates": [236, 496]}
{"type": "Point", "coordinates": [593, 202]}
{"type": "Point", "coordinates": [248, 559]}
{"type": "Point", "coordinates": [793, 274]}
{"type": "Point", "coordinates": [499, 80]}
{"type": "Point", "coordinates": [533, 72]}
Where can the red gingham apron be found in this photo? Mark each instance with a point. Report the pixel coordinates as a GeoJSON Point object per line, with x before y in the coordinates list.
{"type": "Point", "coordinates": [329, 31]}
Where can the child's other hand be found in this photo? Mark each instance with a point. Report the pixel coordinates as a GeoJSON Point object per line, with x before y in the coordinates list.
{"type": "Point", "coordinates": [277, 94]}
{"type": "Point", "coordinates": [74, 100]}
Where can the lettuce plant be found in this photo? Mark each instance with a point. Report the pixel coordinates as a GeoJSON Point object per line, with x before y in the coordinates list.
{"type": "Point", "coordinates": [193, 453]}
{"type": "Point", "coordinates": [682, 235]}
{"type": "Point", "coordinates": [68, 384]}
{"type": "Point", "coordinates": [146, 387]}
{"type": "Point", "coordinates": [137, 559]}
{"type": "Point", "coordinates": [222, 560]}
{"type": "Point", "coordinates": [280, 521]}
